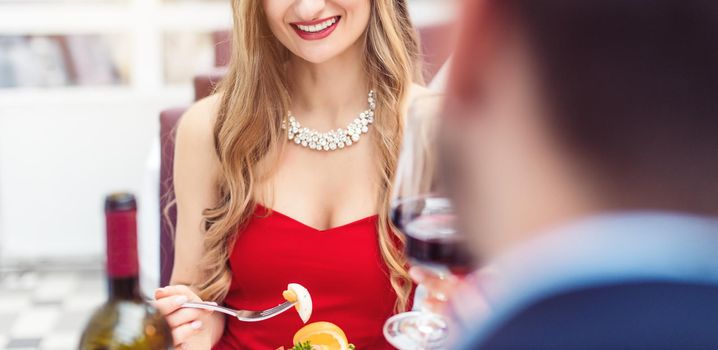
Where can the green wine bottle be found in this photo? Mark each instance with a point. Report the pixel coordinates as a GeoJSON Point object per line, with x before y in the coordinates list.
{"type": "Point", "coordinates": [125, 321]}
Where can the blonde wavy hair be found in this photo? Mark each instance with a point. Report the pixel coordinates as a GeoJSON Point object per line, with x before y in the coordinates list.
{"type": "Point", "coordinates": [248, 134]}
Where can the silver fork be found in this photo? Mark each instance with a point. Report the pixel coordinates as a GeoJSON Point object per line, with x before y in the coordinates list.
{"type": "Point", "coordinates": [244, 315]}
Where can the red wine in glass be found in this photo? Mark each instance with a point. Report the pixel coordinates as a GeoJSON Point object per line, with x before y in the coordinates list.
{"type": "Point", "coordinates": [429, 225]}
{"type": "Point", "coordinates": [432, 241]}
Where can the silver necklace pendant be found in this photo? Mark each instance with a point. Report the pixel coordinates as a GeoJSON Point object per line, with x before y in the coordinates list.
{"type": "Point", "coordinates": [333, 139]}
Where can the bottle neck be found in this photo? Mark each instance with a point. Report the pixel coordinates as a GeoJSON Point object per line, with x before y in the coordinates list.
{"type": "Point", "coordinates": [122, 262]}
{"type": "Point", "coordinates": [124, 288]}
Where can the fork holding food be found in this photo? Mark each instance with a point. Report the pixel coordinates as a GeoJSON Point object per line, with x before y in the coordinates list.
{"type": "Point", "coordinates": [186, 313]}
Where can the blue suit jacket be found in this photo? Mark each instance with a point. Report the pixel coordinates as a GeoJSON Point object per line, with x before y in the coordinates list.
{"type": "Point", "coordinates": [631, 315]}
{"type": "Point", "coordinates": [619, 282]}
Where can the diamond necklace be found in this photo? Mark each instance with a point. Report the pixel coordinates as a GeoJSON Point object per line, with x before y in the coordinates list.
{"type": "Point", "coordinates": [333, 139]}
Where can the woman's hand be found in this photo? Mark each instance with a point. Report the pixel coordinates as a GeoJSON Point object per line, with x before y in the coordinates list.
{"type": "Point", "coordinates": [191, 328]}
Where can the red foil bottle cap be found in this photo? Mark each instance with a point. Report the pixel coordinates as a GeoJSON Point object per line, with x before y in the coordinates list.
{"type": "Point", "coordinates": [121, 223]}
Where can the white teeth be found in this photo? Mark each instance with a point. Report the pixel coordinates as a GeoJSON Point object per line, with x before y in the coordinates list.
{"type": "Point", "coordinates": [318, 27]}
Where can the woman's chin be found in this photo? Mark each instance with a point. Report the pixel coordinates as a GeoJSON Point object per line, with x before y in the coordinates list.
{"type": "Point", "coordinates": [318, 55]}
{"type": "Point", "coordinates": [317, 58]}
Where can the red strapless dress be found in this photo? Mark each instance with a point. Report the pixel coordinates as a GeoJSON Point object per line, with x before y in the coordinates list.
{"type": "Point", "coordinates": [341, 267]}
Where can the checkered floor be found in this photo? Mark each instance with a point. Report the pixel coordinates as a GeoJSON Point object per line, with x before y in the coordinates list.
{"type": "Point", "coordinates": [47, 310]}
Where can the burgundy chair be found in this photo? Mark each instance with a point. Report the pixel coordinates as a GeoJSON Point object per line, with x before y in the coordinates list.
{"type": "Point", "coordinates": [168, 121]}
{"type": "Point", "coordinates": [435, 49]}
{"type": "Point", "coordinates": [222, 40]}
{"type": "Point", "coordinates": [204, 85]}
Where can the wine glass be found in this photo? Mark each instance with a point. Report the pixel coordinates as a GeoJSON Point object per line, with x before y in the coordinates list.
{"type": "Point", "coordinates": [422, 211]}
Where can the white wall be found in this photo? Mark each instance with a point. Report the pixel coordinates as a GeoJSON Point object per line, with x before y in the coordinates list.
{"type": "Point", "coordinates": [60, 153]}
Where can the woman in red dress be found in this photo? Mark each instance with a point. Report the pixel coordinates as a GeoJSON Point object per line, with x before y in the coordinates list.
{"type": "Point", "coordinates": [307, 122]}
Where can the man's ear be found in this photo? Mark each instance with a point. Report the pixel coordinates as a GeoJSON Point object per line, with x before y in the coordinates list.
{"type": "Point", "coordinates": [479, 33]}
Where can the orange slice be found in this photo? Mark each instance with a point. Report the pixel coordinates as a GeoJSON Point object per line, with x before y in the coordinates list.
{"type": "Point", "coordinates": [322, 336]}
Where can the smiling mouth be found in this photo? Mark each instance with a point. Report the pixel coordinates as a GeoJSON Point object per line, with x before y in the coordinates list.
{"type": "Point", "coordinates": [316, 29]}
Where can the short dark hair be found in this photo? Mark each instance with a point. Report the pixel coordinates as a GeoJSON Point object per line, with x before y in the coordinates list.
{"type": "Point", "coordinates": [633, 88]}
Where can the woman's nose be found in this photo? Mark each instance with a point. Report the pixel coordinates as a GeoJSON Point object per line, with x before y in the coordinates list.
{"type": "Point", "coordinates": [308, 10]}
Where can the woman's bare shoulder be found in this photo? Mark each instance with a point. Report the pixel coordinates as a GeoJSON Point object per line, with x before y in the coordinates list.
{"type": "Point", "coordinates": [195, 148]}
{"type": "Point", "coordinates": [417, 92]}
{"type": "Point", "coordinates": [199, 119]}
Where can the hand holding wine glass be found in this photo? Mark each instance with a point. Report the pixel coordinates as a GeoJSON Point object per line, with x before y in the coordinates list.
{"type": "Point", "coordinates": [439, 287]}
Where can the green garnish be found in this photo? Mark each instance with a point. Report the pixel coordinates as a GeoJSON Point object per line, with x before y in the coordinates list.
{"type": "Point", "coordinates": [307, 346]}
{"type": "Point", "coordinates": [303, 346]}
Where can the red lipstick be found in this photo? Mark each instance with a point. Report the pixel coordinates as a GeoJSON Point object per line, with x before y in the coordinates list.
{"type": "Point", "coordinates": [309, 34]}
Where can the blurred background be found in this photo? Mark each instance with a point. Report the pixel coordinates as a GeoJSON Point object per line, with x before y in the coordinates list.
{"type": "Point", "coordinates": [82, 83]}
{"type": "Point", "coordinates": [82, 87]}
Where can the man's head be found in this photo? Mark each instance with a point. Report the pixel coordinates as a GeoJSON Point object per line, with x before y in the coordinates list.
{"type": "Point", "coordinates": [567, 108]}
